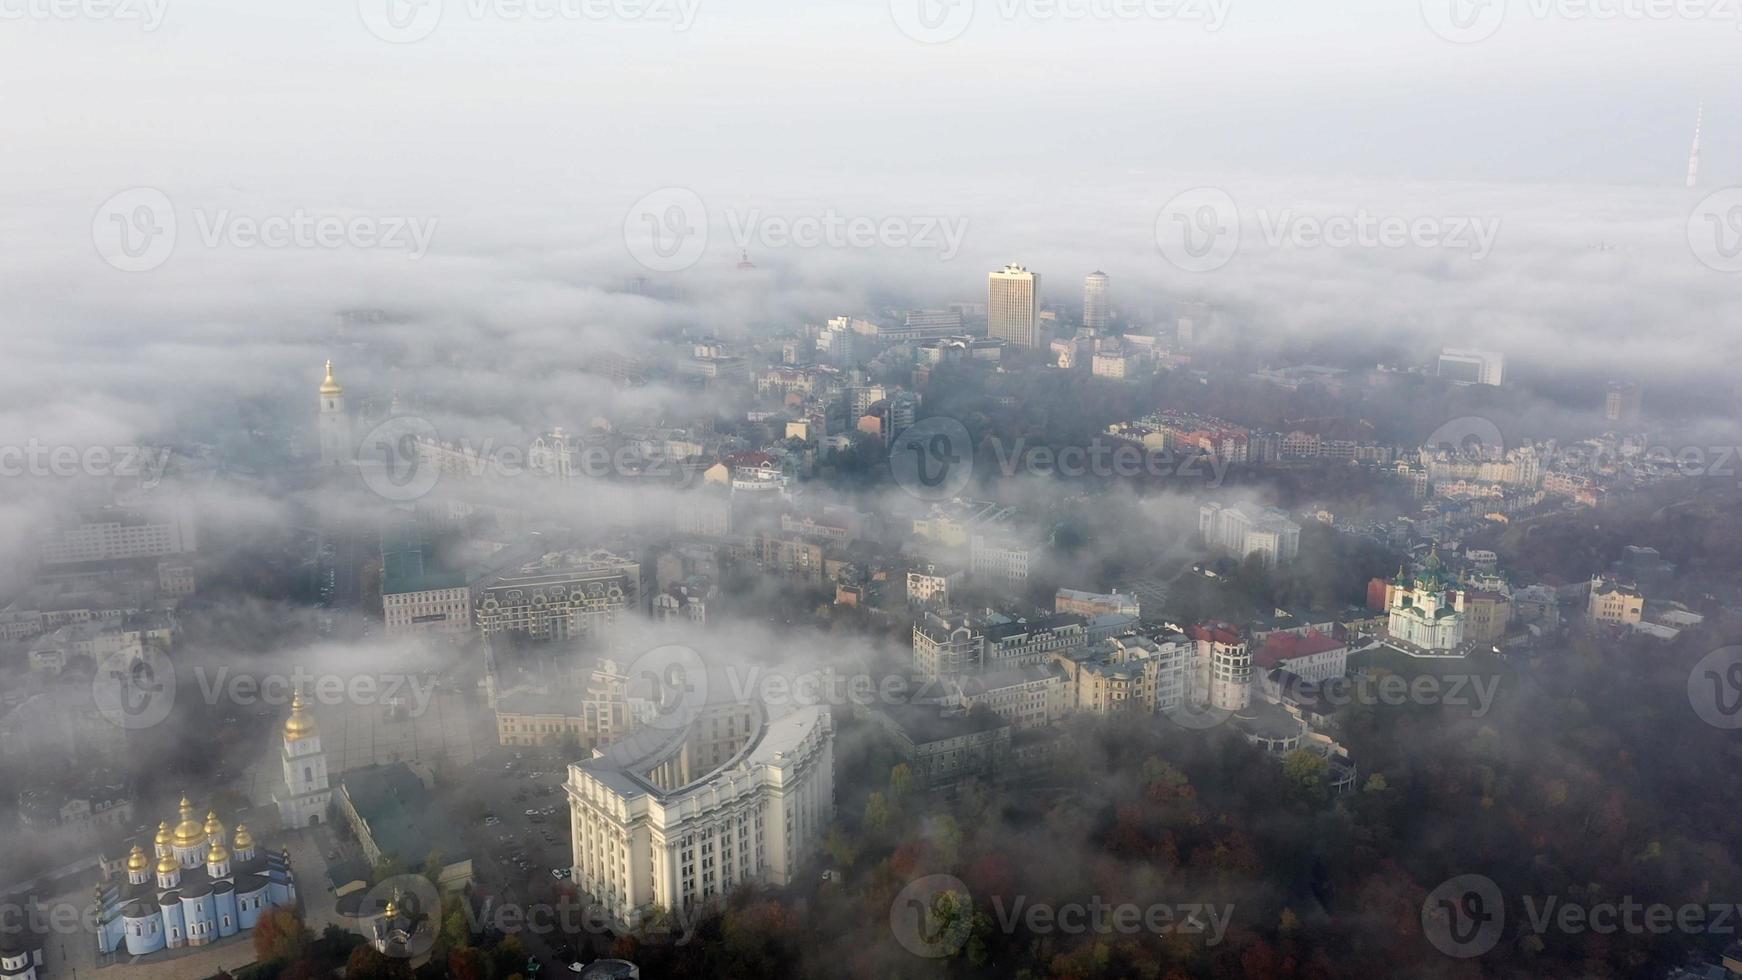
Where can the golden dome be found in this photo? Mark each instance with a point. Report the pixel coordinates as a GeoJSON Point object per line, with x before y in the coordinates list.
{"type": "Point", "coordinates": [218, 854]}
{"type": "Point", "coordinates": [300, 724]}
{"type": "Point", "coordinates": [213, 827]}
{"type": "Point", "coordinates": [189, 832]}
{"type": "Point", "coordinates": [331, 385]}
{"type": "Point", "coordinates": [163, 832]}
{"type": "Point", "coordinates": [137, 861]}
{"type": "Point", "coordinates": [167, 865]}
{"type": "Point", "coordinates": [391, 910]}
{"type": "Point", "coordinates": [243, 840]}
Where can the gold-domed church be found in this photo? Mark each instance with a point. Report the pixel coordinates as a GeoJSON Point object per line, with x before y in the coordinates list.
{"type": "Point", "coordinates": [303, 795]}
{"type": "Point", "coordinates": [198, 885]}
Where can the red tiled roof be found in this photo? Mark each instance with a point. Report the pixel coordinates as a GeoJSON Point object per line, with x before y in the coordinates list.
{"type": "Point", "coordinates": [1217, 633]}
{"type": "Point", "coordinates": [1282, 647]}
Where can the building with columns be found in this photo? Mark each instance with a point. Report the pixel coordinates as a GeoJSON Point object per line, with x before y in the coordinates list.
{"type": "Point", "coordinates": [675, 818]}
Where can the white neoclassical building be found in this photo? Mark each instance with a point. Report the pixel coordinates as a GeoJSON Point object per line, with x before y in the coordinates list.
{"type": "Point", "coordinates": [672, 819]}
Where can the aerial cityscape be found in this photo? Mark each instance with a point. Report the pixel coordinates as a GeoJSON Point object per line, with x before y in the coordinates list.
{"type": "Point", "coordinates": [504, 489]}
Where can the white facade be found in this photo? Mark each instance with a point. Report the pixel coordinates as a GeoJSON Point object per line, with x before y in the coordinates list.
{"type": "Point", "coordinates": [335, 425]}
{"type": "Point", "coordinates": [1097, 302]}
{"type": "Point", "coordinates": [1241, 529]}
{"type": "Point", "coordinates": [675, 819]}
{"type": "Point", "coordinates": [1013, 306]}
{"type": "Point", "coordinates": [304, 795]}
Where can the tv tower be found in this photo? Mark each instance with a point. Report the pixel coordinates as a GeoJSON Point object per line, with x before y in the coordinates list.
{"type": "Point", "coordinates": [1694, 157]}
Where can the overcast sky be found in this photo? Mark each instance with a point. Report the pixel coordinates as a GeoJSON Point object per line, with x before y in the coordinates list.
{"type": "Point", "coordinates": [522, 144]}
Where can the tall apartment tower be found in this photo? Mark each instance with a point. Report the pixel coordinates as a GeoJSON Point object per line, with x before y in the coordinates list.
{"type": "Point", "coordinates": [335, 426]}
{"type": "Point", "coordinates": [1621, 403]}
{"type": "Point", "coordinates": [1097, 304]}
{"type": "Point", "coordinates": [1013, 306]}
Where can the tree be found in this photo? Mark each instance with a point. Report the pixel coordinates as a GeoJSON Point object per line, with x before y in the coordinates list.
{"type": "Point", "coordinates": [466, 963]}
{"type": "Point", "coordinates": [369, 963]}
{"type": "Point", "coordinates": [279, 936]}
{"type": "Point", "coordinates": [877, 813]}
{"type": "Point", "coordinates": [1305, 771]}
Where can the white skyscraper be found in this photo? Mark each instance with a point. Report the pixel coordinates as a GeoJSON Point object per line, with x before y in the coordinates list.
{"type": "Point", "coordinates": [1097, 303]}
{"type": "Point", "coordinates": [1013, 306]}
{"type": "Point", "coordinates": [335, 425]}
